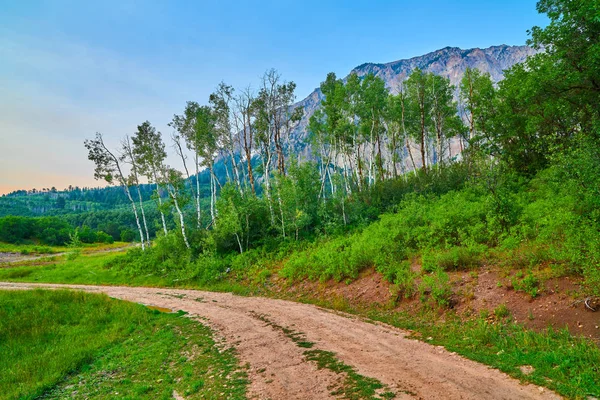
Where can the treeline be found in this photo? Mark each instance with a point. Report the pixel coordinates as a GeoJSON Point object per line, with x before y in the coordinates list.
{"type": "Point", "coordinates": [51, 231]}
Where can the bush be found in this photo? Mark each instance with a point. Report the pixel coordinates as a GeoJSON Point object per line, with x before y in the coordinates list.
{"type": "Point", "coordinates": [436, 286]}
{"type": "Point", "coordinates": [454, 259]}
{"type": "Point", "coordinates": [102, 237]}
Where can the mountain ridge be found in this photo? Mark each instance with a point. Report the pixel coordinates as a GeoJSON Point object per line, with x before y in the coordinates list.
{"type": "Point", "coordinates": [450, 62]}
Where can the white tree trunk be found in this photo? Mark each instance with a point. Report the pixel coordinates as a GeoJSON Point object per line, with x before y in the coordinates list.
{"type": "Point", "coordinates": [181, 221]}
{"type": "Point", "coordinates": [137, 219]}
{"type": "Point", "coordinates": [198, 212]}
{"type": "Point", "coordinates": [213, 196]}
{"type": "Point", "coordinates": [143, 213]}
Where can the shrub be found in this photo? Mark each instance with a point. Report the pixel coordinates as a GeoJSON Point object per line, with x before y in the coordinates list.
{"type": "Point", "coordinates": [454, 259]}
{"type": "Point", "coordinates": [436, 286]}
{"type": "Point", "coordinates": [102, 237]}
{"type": "Point", "coordinates": [529, 284]}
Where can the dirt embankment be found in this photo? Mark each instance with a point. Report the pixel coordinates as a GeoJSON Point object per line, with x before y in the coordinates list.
{"type": "Point", "coordinates": [279, 369]}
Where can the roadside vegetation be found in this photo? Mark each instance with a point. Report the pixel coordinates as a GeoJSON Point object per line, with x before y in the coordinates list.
{"type": "Point", "coordinates": [60, 344]}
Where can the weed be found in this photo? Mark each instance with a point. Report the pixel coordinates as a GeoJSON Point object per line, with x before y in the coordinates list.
{"type": "Point", "coordinates": [529, 283]}
{"type": "Point", "coordinates": [501, 311]}
{"type": "Point", "coordinates": [437, 287]}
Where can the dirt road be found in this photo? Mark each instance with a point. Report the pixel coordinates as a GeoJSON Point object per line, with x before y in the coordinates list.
{"type": "Point", "coordinates": [279, 370]}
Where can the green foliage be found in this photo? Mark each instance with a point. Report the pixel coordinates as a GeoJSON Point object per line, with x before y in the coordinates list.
{"type": "Point", "coordinates": [51, 231]}
{"type": "Point", "coordinates": [127, 235]}
{"type": "Point", "coordinates": [501, 311]}
{"type": "Point", "coordinates": [527, 283]}
{"type": "Point", "coordinates": [454, 259]}
{"type": "Point", "coordinates": [74, 240]}
{"type": "Point", "coordinates": [454, 219]}
{"type": "Point", "coordinates": [436, 286]}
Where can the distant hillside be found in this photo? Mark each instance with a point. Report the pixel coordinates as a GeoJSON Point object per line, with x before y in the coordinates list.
{"type": "Point", "coordinates": [450, 62]}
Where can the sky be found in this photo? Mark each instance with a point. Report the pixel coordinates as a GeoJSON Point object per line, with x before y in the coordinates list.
{"type": "Point", "coordinates": [69, 69]}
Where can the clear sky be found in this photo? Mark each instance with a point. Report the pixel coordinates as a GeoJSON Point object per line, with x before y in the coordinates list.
{"type": "Point", "coordinates": [71, 68]}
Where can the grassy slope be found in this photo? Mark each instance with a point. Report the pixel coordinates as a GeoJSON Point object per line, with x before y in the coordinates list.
{"type": "Point", "coordinates": [62, 343]}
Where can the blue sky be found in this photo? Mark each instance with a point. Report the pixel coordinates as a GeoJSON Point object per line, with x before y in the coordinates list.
{"type": "Point", "coordinates": [71, 68]}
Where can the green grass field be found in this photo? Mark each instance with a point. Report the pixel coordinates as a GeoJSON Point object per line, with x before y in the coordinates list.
{"type": "Point", "coordinates": [65, 344]}
{"type": "Point", "coordinates": [84, 269]}
{"type": "Point", "coordinates": [34, 249]}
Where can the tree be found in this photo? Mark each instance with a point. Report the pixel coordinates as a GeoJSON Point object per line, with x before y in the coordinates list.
{"type": "Point", "coordinates": [221, 102]}
{"type": "Point", "coordinates": [327, 127]}
{"type": "Point", "coordinates": [133, 179]}
{"type": "Point", "coordinates": [373, 103]}
{"type": "Point", "coordinates": [477, 93]}
{"type": "Point", "coordinates": [572, 42]}
{"type": "Point", "coordinates": [108, 168]}
{"type": "Point", "coordinates": [206, 144]}
{"type": "Point", "coordinates": [185, 125]}
{"type": "Point", "coordinates": [445, 122]}
{"type": "Point", "coordinates": [418, 107]}
{"type": "Point", "coordinates": [173, 181]}
{"type": "Point", "coordinates": [60, 202]}
{"type": "Point", "coordinates": [244, 123]}
{"type": "Point", "coordinates": [149, 153]}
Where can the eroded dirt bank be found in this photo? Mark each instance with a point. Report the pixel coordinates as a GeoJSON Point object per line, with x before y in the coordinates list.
{"type": "Point", "coordinates": [278, 369]}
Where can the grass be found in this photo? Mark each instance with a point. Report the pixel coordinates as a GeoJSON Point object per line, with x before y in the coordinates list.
{"type": "Point", "coordinates": [85, 269]}
{"type": "Point", "coordinates": [64, 344]}
{"type": "Point", "coordinates": [34, 249]}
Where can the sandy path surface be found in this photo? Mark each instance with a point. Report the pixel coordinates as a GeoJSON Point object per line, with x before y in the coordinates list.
{"type": "Point", "coordinates": [278, 370]}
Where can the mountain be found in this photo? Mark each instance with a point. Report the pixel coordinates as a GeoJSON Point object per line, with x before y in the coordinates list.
{"type": "Point", "coordinates": [449, 62]}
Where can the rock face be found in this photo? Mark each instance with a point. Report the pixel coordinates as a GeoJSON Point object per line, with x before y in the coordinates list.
{"type": "Point", "coordinates": [450, 62]}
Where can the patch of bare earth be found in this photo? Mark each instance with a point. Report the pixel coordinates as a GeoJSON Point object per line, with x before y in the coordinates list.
{"type": "Point", "coordinates": [554, 306]}
{"type": "Point", "coordinates": [369, 288]}
{"type": "Point", "coordinates": [278, 369]}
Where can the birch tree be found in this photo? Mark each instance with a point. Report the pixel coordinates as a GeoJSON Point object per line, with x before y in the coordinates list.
{"type": "Point", "coordinates": [222, 101]}
{"type": "Point", "coordinates": [173, 181]}
{"type": "Point", "coordinates": [185, 126]}
{"type": "Point", "coordinates": [418, 105]}
{"type": "Point", "coordinates": [108, 168]}
{"type": "Point", "coordinates": [149, 152]}
{"type": "Point", "coordinates": [134, 178]}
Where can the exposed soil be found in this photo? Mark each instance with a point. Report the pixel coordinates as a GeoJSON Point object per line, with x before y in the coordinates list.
{"type": "Point", "coordinates": [554, 307]}
{"type": "Point", "coordinates": [278, 369]}
{"type": "Point", "coordinates": [368, 289]}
